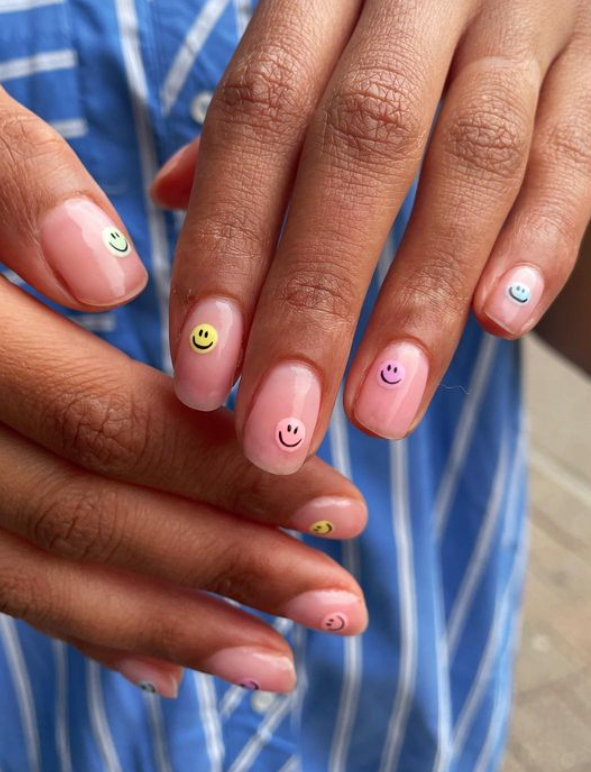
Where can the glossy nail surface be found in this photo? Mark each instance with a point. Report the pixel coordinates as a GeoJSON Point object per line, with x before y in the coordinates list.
{"type": "Point", "coordinates": [392, 390]}
{"type": "Point", "coordinates": [334, 517]}
{"type": "Point", "coordinates": [95, 260]}
{"type": "Point", "coordinates": [148, 678]}
{"type": "Point", "coordinates": [208, 354]}
{"type": "Point", "coordinates": [514, 300]}
{"type": "Point", "coordinates": [333, 611]}
{"type": "Point", "coordinates": [281, 424]}
{"type": "Point", "coordinates": [253, 669]}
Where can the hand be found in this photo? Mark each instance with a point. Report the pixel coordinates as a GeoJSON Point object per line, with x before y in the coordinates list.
{"type": "Point", "coordinates": [120, 509]}
{"type": "Point", "coordinates": [329, 108]}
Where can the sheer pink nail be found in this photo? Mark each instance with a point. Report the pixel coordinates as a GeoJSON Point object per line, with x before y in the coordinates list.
{"type": "Point", "coordinates": [253, 669]}
{"type": "Point", "coordinates": [147, 677]}
{"type": "Point", "coordinates": [208, 354]}
{"type": "Point", "coordinates": [392, 391]}
{"type": "Point", "coordinates": [334, 517]}
{"type": "Point", "coordinates": [514, 300]}
{"type": "Point", "coordinates": [283, 418]}
{"type": "Point", "coordinates": [333, 611]}
{"type": "Point", "coordinates": [90, 255]}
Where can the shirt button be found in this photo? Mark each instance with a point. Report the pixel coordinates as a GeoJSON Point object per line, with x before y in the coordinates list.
{"type": "Point", "coordinates": [262, 701]}
{"type": "Point", "coordinates": [199, 106]}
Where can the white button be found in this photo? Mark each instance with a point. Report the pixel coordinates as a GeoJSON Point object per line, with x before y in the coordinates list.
{"type": "Point", "coordinates": [199, 106]}
{"type": "Point", "coordinates": [262, 701]}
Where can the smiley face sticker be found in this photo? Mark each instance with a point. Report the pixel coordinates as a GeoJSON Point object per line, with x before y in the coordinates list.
{"type": "Point", "coordinates": [335, 623]}
{"type": "Point", "coordinates": [204, 338]}
{"type": "Point", "coordinates": [289, 434]}
{"type": "Point", "coordinates": [391, 374]}
{"type": "Point", "coordinates": [322, 527]}
{"type": "Point", "coordinates": [116, 242]}
{"type": "Point", "coordinates": [519, 293]}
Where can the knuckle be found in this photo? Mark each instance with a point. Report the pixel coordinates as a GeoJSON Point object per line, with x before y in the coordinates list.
{"type": "Point", "coordinates": [565, 144]}
{"type": "Point", "coordinates": [239, 578]}
{"type": "Point", "coordinates": [17, 593]}
{"type": "Point", "coordinates": [375, 113]}
{"type": "Point", "coordinates": [265, 90]}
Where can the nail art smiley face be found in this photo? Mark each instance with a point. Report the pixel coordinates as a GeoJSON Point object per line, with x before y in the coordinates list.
{"type": "Point", "coordinates": [322, 528]}
{"type": "Point", "coordinates": [250, 684]}
{"type": "Point", "coordinates": [335, 623]}
{"type": "Point", "coordinates": [391, 374]}
{"type": "Point", "coordinates": [519, 293]}
{"type": "Point", "coordinates": [290, 434]}
{"type": "Point", "coordinates": [146, 686]}
{"type": "Point", "coordinates": [116, 242]}
{"type": "Point", "coordinates": [204, 338]}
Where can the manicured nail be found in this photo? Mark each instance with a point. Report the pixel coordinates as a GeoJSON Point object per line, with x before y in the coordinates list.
{"type": "Point", "coordinates": [95, 260]}
{"type": "Point", "coordinates": [283, 418]}
{"type": "Point", "coordinates": [334, 517]}
{"type": "Point", "coordinates": [514, 300]}
{"type": "Point", "coordinates": [334, 611]}
{"type": "Point", "coordinates": [148, 678]}
{"type": "Point", "coordinates": [253, 669]}
{"type": "Point", "coordinates": [209, 350]}
{"type": "Point", "coordinates": [392, 391]}
{"type": "Point", "coordinates": [172, 163]}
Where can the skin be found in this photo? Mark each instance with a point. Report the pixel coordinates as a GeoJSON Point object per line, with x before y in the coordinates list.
{"type": "Point", "coordinates": [330, 108]}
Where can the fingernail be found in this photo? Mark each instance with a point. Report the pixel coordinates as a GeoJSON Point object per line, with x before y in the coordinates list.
{"type": "Point", "coordinates": [253, 669]}
{"type": "Point", "coordinates": [283, 418]}
{"type": "Point", "coordinates": [334, 517]}
{"type": "Point", "coordinates": [209, 349]}
{"type": "Point", "coordinates": [95, 261]}
{"type": "Point", "coordinates": [148, 678]}
{"type": "Point", "coordinates": [172, 163]}
{"type": "Point", "coordinates": [514, 300]}
{"type": "Point", "coordinates": [333, 611]}
{"type": "Point", "coordinates": [392, 391]}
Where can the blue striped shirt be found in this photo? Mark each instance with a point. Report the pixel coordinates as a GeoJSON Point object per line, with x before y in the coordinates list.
{"type": "Point", "coordinates": [427, 688]}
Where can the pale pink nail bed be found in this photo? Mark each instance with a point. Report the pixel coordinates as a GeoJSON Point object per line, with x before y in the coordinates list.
{"type": "Point", "coordinates": [514, 300]}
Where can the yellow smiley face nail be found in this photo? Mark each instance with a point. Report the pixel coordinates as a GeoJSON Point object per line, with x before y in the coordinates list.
{"type": "Point", "coordinates": [204, 338]}
{"type": "Point", "coordinates": [116, 242]}
{"type": "Point", "coordinates": [322, 527]}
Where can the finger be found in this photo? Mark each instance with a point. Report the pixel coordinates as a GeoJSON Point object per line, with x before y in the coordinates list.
{"type": "Point", "coordinates": [116, 417]}
{"type": "Point", "coordinates": [117, 610]}
{"type": "Point", "coordinates": [361, 153]}
{"type": "Point", "coordinates": [471, 176]}
{"type": "Point", "coordinates": [83, 517]}
{"type": "Point", "coordinates": [538, 247]}
{"type": "Point", "coordinates": [249, 149]}
{"type": "Point", "coordinates": [58, 230]}
{"type": "Point", "coordinates": [172, 185]}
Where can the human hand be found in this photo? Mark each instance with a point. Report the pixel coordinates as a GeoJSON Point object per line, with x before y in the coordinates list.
{"type": "Point", "coordinates": [328, 108]}
{"type": "Point", "coordinates": [121, 510]}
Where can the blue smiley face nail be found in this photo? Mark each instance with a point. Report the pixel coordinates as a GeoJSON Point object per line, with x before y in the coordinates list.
{"type": "Point", "coordinates": [519, 293]}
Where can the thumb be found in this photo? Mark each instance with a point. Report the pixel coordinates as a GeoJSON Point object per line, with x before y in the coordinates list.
{"type": "Point", "coordinates": [58, 230]}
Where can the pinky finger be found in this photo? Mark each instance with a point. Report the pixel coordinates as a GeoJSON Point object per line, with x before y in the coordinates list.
{"type": "Point", "coordinates": [538, 246]}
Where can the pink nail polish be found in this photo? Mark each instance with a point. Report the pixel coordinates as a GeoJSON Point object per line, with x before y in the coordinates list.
{"type": "Point", "coordinates": [90, 255]}
{"type": "Point", "coordinates": [334, 517]}
{"type": "Point", "coordinates": [173, 162]}
{"type": "Point", "coordinates": [253, 669]}
{"type": "Point", "coordinates": [148, 678]}
{"type": "Point", "coordinates": [514, 300]}
{"type": "Point", "coordinates": [334, 611]}
{"type": "Point", "coordinates": [283, 418]}
{"type": "Point", "coordinates": [208, 354]}
{"type": "Point", "coordinates": [392, 391]}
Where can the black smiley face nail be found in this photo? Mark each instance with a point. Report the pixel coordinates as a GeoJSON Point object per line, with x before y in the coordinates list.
{"type": "Point", "coordinates": [290, 433]}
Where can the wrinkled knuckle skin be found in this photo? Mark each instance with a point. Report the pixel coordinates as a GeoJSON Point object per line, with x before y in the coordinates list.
{"type": "Point", "coordinates": [18, 594]}
{"type": "Point", "coordinates": [565, 144]}
{"type": "Point", "coordinates": [240, 579]}
{"type": "Point", "coordinates": [374, 115]}
{"type": "Point", "coordinates": [267, 91]}
{"type": "Point", "coordinates": [108, 433]}
{"type": "Point", "coordinates": [487, 140]}
{"type": "Point", "coordinates": [327, 295]}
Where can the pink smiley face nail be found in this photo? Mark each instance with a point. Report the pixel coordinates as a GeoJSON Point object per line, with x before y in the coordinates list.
{"type": "Point", "coordinates": [391, 374]}
{"type": "Point", "coordinates": [250, 684]}
{"type": "Point", "coordinates": [335, 623]}
{"type": "Point", "coordinates": [290, 434]}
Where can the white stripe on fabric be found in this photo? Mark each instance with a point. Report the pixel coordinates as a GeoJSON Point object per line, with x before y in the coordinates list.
{"type": "Point", "coordinates": [243, 14]}
{"type": "Point", "coordinates": [32, 65]}
{"type": "Point", "coordinates": [291, 765]}
{"type": "Point", "coordinates": [105, 322]}
{"type": "Point", "coordinates": [8, 6]}
{"type": "Point", "coordinates": [483, 676]}
{"type": "Point", "coordinates": [62, 723]}
{"type": "Point", "coordinates": [12, 277]}
{"type": "Point", "coordinates": [22, 686]}
{"type": "Point", "coordinates": [248, 755]}
{"type": "Point", "coordinates": [98, 719]}
{"type": "Point", "coordinates": [353, 651]}
{"type": "Point", "coordinates": [72, 128]}
{"type": "Point", "coordinates": [401, 523]}
{"type": "Point", "coordinates": [444, 709]}
{"type": "Point", "coordinates": [471, 579]}
{"type": "Point", "coordinates": [492, 736]}
{"type": "Point", "coordinates": [161, 753]}
{"type": "Point", "coordinates": [464, 432]}
{"type": "Point", "coordinates": [210, 721]}
{"type": "Point", "coordinates": [138, 87]}
{"type": "Point", "coordinates": [300, 637]}
{"type": "Point", "coordinates": [189, 51]}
